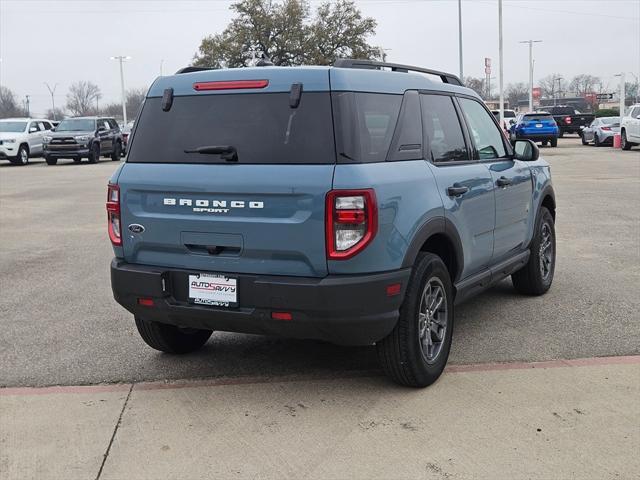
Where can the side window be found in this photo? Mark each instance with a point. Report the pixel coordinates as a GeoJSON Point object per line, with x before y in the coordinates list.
{"type": "Point", "coordinates": [442, 129]}
{"type": "Point", "coordinates": [103, 123]}
{"type": "Point", "coordinates": [33, 125]}
{"type": "Point", "coordinates": [42, 126]}
{"type": "Point", "coordinates": [407, 139]}
{"type": "Point", "coordinates": [112, 124]}
{"type": "Point", "coordinates": [47, 125]}
{"type": "Point", "coordinates": [488, 139]}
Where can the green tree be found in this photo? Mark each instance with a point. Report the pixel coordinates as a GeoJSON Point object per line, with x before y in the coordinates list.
{"type": "Point", "coordinates": [9, 105]}
{"type": "Point", "coordinates": [285, 33]}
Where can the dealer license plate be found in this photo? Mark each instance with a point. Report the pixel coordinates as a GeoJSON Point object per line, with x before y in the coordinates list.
{"type": "Point", "coordinates": [214, 290]}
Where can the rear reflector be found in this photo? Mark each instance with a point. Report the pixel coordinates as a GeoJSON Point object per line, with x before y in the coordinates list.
{"type": "Point", "coordinates": [145, 302]}
{"type": "Point", "coordinates": [393, 289]}
{"type": "Point", "coordinates": [281, 316]}
{"type": "Point", "coordinates": [230, 85]}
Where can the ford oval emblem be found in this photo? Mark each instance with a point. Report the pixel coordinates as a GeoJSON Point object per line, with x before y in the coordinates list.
{"type": "Point", "coordinates": [136, 228]}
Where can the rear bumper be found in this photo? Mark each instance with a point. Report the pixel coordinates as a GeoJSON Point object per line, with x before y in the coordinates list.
{"type": "Point", "coordinates": [537, 136]}
{"type": "Point", "coordinates": [342, 309]}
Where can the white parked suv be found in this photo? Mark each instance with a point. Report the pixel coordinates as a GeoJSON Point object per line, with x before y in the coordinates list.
{"type": "Point", "coordinates": [630, 127]}
{"type": "Point", "coordinates": [21, 138]}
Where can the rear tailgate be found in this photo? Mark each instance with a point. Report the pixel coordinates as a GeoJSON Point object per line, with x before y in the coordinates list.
{"type": "Point", "coordinates": [259, 210]}
{"type": "Point", "coordinates": [539, 124]}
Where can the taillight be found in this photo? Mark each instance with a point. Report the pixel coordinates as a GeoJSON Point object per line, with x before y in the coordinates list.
{"type": "Point", "coordinates": [113, 214]}
{"type": "Point", "coordinates": [567, 120]}
{"type": "Point", "coordinates": [351, 222]}
{"type": "Point", "coordinates": [608, 129]}
{"type": "Point", "coordinates": [230, 85]}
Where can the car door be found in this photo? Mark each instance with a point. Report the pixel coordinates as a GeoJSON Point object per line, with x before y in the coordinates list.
{"type": "Point", "coordinates": [589, 131]}
{"type": "Point", "coordinates": [34, 135]}
{"type": "Point", "coordinates": [511, 178]}
{"type": "Point", "coordinates": [634, 124]}
{"type": "Point", "coordinates": [104, 133]}
{"type": "Point", "coordinates": [465, 185]}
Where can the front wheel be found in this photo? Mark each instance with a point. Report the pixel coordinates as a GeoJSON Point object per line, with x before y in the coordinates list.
{"type": "Point", "coordinates": [596, 140]}
{"type": "Point", "coordinates": [554, 142]}
{"type": "Point", "coordinates": [171, 339]}
{"type": "Point", "coordinates": [536, 276]}
{"type": "Point", "coordinates": [94, 155]}
{"type": "Point", "coordinates": [624, 143]}
{"type": "Point", "coordinates": [23, 156]}
{"type": "Point", "coordinates": [584, 141]}
{"type": "Point", "coordinates": [50, 161]}
{"type": "Point", "coordinates": [415, 352]}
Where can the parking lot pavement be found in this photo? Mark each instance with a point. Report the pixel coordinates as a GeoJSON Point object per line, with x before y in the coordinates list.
{"type": "Point", "coordinates": [61, 326]}
{"type": "Point", "coordinates": [481, 421]}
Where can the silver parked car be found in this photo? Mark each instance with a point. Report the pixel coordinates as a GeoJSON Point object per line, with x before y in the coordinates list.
{"type": "Point", "coordinates": [600, 131]}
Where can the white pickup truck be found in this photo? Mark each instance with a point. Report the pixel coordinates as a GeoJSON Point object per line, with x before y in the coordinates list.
{"type": "Point", "coordinates": [630, 127]}
{"type": "Point", "coordinates": [21, 138]}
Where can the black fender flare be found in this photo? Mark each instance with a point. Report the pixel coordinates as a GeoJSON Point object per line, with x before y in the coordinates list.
{"type": "Point", "coordinates": [433, 226]}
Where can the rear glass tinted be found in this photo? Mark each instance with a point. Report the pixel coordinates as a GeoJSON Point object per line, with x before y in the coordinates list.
{"type": "Point", "coordinates": [262, 127]}
{"type": "Point", "coordinates": [365, 123]}
{"type": "Point", "coordinates": [529, 117]}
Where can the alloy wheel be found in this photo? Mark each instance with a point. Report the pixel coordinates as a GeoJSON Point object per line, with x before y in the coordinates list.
{"type": "Point", "coordinates": [546, 251]}
{"type": "Point", "coordinates": [432, 319]}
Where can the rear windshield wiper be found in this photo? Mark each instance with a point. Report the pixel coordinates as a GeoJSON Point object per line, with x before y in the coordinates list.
{"type": "Point", "coordinates": [226, 152]}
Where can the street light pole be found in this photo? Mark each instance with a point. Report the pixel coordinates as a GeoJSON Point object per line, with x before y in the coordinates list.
{"type": "Point", "coordinates": [557, 94]}
{"type": "Point", "coordinates": [622, 93]}
{"type": "Point", "coordinates": [460, 37]}
{"type": "Point", "coordinates": [53, 102]}
{"type": "Point", "coordinates": [27, 105]}
{"type": "Point", "coordinates": [121, 59]}
{"type": "Point", "coordinates": [531, 42]}
{"type": "Point", "coordinates": [500, 76]}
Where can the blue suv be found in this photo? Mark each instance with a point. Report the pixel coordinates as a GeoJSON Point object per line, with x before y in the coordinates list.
{"type": "Point", "coordinates": [356, 204]}
{"type": "Point", "coordinates": [537, 126]}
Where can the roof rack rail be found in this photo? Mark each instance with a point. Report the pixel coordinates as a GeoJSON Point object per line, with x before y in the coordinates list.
{"type": "Point", "coordinates": [193, 69]}
{"type": "Point", "coordinates": [395, 67]}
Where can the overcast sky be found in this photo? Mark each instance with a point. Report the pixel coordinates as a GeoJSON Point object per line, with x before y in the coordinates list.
{"type": "Point", "coordinates": [58, 41]}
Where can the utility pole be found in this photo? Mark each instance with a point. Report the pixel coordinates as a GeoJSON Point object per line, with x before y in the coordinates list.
{"type": "Point", "coordinates": [557, 93]}
{"type": "Point", "coordinates": [531, 42]}
{"type": "Point", "coordinates": [53, 102]}
{"type": "Point", "coordinates": [501, 74]}
{"type": "Point", "coordinates": [622, 93]}
{"type": "Point", "coordinates": [26, 103]}
{"type": "Point", "coordinates": [121, 59]}
{"type": "Point", "coordinates": [460, 37]}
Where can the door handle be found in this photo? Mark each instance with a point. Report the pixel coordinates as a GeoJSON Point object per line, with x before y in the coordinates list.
{"type": "Point", "coordinates": [456, 190]}
{"type": "Point", "coordinates": [503, 181]}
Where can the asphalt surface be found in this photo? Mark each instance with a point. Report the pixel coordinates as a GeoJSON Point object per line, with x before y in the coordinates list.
{"type": "Point", "coordinates": [60, 324]}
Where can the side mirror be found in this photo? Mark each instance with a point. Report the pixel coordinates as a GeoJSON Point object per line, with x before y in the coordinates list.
{"type": "Point", "coordinates": [102, 128]}
{"type": "Point", "coordinates": [33, 130]}
{"type": "Point", "coordinates": [526, 150]}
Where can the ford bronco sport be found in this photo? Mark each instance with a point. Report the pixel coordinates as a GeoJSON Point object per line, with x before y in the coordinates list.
{"type": "Point", "coordinates": [355, 204]}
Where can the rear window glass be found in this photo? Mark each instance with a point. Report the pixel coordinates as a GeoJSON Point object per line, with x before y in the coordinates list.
{"type": "Point", "coordinates": [365, 123]}
{"type": "Point", "coordinates": [537, 116]}
{"type": "Point", "coordinates": [262, 128]}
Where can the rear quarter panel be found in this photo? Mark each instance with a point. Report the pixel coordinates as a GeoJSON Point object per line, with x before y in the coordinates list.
{"type": "Point", "coordinates": [407, 198]}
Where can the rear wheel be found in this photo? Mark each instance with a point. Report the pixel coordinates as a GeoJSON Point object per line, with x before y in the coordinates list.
{"type": "Point", "coordinates": [171, 339]}
{"type": "Point", "coordinates": [117, 152]}
{"type": "Point", "coordinates": [77, 160]}
{"type": "Point", "coordinates": [596, 140]}
{"type": "Point", "coordinates": [94, 155]}
{"type": "Point", "coordinates": [50, 161]}
{"type": "Point", "coordinates": [624, 143]}
{"type": "Point", "coordinates": [536, 276]}
{"type": "Point", "coordinates": [415, 352]}
{"type": "Point", "coordinates": [545, 143]}
{"type": "Point", "coordinates": [554, 142]}
{"type": "Point", "coordinates": [561, 134]}
{"type": "Point", "coordinates": [584, 142]}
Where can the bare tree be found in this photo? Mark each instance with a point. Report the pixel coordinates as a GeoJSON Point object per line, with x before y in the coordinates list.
{"type": "Point", "coordinates": [9, 105]}
{"type": "Point", "coordinates": [476, 84]}
{"type": "Point", "coordinates": [516, 92]}
{"type": "Point", "coordinates": [551, 85]}
{"type": "Point", "coordinates": [59, 114]}
{"type": "Point", "coordinates": [82, 98]}
{"type": "Point", "coordinates": [135, 97]}
{"type": "Point", "coordinates": [583, 84]}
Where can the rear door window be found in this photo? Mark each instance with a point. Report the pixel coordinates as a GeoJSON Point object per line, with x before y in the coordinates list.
{"type": "Point", "coordinates": [442, 129]}
{"type": "Point", "coordinates": [262, 128]}
{"type": "Point", "coordinates": [486, 135]}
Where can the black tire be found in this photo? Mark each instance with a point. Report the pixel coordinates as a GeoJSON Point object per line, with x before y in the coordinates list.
{"type": "Point", "coordinates": [561, 134]}
{"type": "Point", "coordinates": [23, 156]}
{"type": "Point", "coordinates": [77, 160]}
{"type": "Point", "coordinates": [117, 152]}
{"type": "Point", "coordinates": [554, 142]}
{"type": "Point", "coordinates": [171, 339]}
{"type": "Point", "coordinates": [545, 143]}
{"type": "Point", "coordinates": [624, 143]}
{"type": "Point", "coordinates": [596, 140]}
{"type": "Point", "coordinates": [584, 142]}
{"type": "Point", "coordinates": [50, 161]}
{"type": "Point", "coordinates": [401, 352]}
{"type": "Point", "coordinates": [533, 278]}
{"type": "Point", "coordinates": [94, 155]}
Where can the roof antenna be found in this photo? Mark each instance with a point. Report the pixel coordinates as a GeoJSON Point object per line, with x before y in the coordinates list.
{"type": "Point", "coordinates": [264, 61]}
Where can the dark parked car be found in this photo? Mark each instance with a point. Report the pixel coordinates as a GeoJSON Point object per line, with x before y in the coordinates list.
{"type": "Point", "coordinates": [537, 126]}
{"type": "Point", "coordinates": [568, 119]}
{"type": "Point", "coordinates": [83, 137]}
